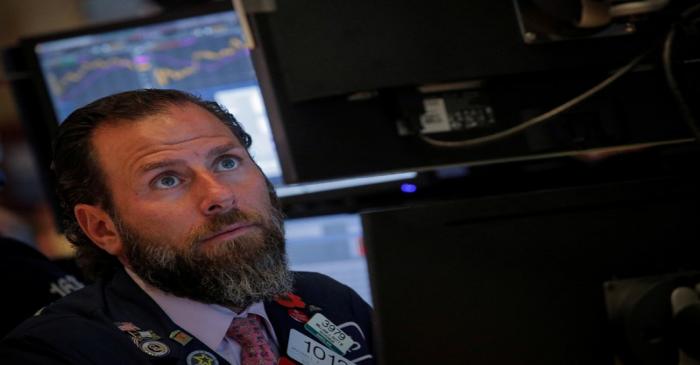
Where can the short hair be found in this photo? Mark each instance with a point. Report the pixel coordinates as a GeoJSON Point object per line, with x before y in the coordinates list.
{"type": "Point", "coordinates": [80, 179]}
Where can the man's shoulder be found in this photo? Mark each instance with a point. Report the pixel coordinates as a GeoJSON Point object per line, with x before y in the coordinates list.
{"type": "Point", "coordinates": [319, 284]}
{"type": "Point", "coordinates": [306, 278]}
{"type": "Point", "coordinates": [70, 330]}
{"type": "Point", "coordinates": [56, 338]}
{"type": "Point", "coordinates": [77, 314]}
{"type": "Point", "coordinates": [326, 291]}
{"type": "Point", "coordinates": [61, 327]}
{"type": "Point", "coordinates": [82, 303]}
{"type": "Point", "coordinates": [316, 278]}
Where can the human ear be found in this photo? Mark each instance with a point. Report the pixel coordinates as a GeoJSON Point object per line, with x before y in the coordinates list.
{"type": "Point", "coordinates": [99, 227]}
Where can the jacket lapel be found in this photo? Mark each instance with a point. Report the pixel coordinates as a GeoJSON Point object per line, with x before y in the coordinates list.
{"type": "Point", "coordinates": [128, 305]}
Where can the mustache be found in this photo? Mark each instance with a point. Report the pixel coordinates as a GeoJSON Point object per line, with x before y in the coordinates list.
{"type": "Point", "coordinates": [221, 221]}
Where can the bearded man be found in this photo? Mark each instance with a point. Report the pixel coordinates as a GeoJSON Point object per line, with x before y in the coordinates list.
{"type": "Point", "coordinates": [185, 237]}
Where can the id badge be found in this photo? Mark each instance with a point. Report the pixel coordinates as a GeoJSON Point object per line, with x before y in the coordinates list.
{"type": "Point", "coordinates": [329, 333]}
{"type": "Point", "coordinates": [307, 351]}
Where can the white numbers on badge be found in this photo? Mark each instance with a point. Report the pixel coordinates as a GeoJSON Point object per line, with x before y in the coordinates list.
{"type": "Point", "coordinates": [309, 352]}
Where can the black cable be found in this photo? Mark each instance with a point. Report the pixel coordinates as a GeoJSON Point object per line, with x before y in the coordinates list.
{"type": "Point", "coordinates": [542, 117]}
{"type": "Point", "coordinates": [685, 109]}
{"type": "Point", "coordinates": [667, 61]}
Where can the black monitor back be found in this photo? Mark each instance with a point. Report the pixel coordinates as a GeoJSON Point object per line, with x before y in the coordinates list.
{"type": "Point", "coordinates": [344, 84]}
{"type": "Point", "coordinates": [519, 279]}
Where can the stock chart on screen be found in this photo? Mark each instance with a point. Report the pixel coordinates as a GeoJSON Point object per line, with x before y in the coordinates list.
{"type": "Point", "coordinates": [204, 54]}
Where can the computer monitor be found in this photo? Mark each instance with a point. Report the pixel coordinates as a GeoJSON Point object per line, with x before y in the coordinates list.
{"type": "Point", "coordinates": [519, 279]}
{"type": "Point", "coordinates": [201, 52]}
{"type": "Point", "coordinates": [378, 77]}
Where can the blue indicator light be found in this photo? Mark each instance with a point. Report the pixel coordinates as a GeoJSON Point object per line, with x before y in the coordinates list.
{"type": "Point", "coordinates": [408, 188]}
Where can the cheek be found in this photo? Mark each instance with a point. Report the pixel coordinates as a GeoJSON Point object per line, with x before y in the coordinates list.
{"type": "Point", "coordinates": [160, 223]}
{"type": "Point", "coordinates": [257, 198]}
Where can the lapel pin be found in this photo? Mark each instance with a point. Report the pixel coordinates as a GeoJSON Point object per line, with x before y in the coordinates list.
{"type": "Point", "coordinates": [290, 300]}
{"type": "Point", "coordinates": [126, 326]}
{"type": "Point", "coordinates": [201, 357]}
{"type": "Point", "coordinates": [154, 348]}
{"type": "Point", "coordinates": [298, 315]}
{"type": "Point", "coordinates": [180, 337]}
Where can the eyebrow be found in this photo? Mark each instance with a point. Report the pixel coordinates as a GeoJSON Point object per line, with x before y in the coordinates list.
{"type": "Point", "coordinates": [219, 150]}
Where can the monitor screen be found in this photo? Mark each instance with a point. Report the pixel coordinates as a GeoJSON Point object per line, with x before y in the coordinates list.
{"type": "Point", "coordinates": [331, 245]}
{"type": "Point", "coordinates": [202, 54]}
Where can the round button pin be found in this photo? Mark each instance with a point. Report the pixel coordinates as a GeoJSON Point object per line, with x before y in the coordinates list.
{"type": "Point", "coordinates": [154, 348]}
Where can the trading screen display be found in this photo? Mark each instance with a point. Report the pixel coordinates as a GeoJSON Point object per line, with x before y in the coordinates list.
{"type": "Point", "coordinates": [204, 55]}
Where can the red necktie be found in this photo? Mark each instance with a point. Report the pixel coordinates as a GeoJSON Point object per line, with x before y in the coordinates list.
{"type": "Point", "coordinates": [256, 348]}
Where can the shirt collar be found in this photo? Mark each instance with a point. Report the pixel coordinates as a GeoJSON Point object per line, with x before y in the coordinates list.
{"type": "Point", "coordinates": [206, 322]}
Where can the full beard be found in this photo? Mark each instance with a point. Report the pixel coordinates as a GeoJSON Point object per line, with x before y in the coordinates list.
{"type": "Point", "coordinates": [251, 267]}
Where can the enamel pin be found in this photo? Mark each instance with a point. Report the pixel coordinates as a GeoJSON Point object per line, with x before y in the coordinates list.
{"type": "Point", "coordinates": [154, 348]}
{"type": "Point", "coordinates": [180, 337]}
{"type": "Point", "coordinates": [201, 357]}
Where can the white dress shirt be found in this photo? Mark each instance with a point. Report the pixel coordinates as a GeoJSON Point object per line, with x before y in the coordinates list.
{"type": "Point", "coordinates": [207, 322]}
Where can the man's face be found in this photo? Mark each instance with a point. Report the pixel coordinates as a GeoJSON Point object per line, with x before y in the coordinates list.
{"type": "Point", "coordinates": [192, 210]}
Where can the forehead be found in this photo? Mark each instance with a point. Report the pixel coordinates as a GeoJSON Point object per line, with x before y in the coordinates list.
{"type": "Point", "coordinates": [175, 124]}
{"type": "Point", "coordinates": [121, 145]}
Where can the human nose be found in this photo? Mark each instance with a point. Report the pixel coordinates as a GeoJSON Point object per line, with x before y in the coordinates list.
{"type": "Point", "coordinates": [216, 196]}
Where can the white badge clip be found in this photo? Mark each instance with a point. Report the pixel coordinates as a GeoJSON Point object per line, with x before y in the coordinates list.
{"type": "Point", "coordinates": [330, 334]}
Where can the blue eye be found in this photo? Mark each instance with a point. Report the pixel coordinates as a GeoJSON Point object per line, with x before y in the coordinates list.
{"type": "Point", "coordinates": [226, 164]}
{"type": "Point", "coordinates": [167, 182]}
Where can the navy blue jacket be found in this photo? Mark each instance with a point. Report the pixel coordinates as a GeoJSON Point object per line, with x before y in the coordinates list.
{"type": "Point", "coordinates": [82, 328]}
{"type": "Point", "coordinates": [31, 282]}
